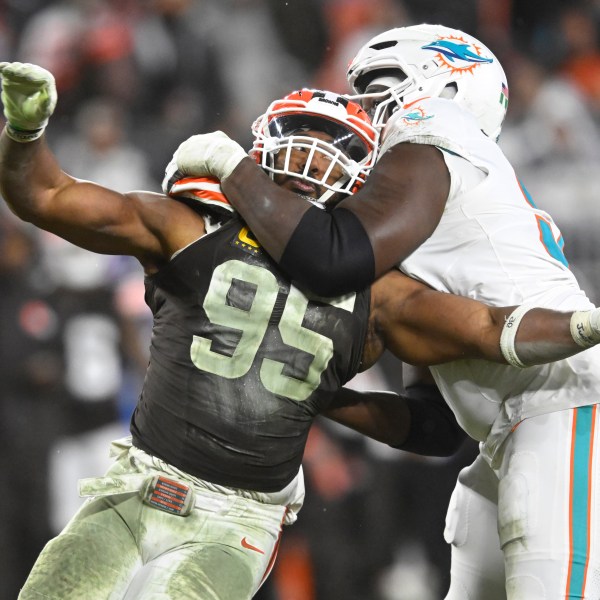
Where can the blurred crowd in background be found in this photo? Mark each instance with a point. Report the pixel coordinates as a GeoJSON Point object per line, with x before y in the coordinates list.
{"type": "Point", "coordinates": [137, 77]}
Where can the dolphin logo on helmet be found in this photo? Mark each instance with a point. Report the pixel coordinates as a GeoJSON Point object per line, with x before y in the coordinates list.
{"type": "Point", "coordinates": [456, 51]}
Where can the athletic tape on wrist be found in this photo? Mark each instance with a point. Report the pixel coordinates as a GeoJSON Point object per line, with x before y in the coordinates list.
{"type": "Point", "coordinates": [585, 327]}
{"type": "Point", "coordinates": [509, 333]}
{"type": "Point", "coordinates": [19, 135]}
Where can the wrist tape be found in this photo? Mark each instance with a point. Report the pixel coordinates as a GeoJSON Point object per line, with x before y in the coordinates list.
{"type": "Point", "coordinates": [509, 333]}
{"type": "Point", "coordinates": [585, 327]}
{"type": "Point", "coordinates": [20, 135]}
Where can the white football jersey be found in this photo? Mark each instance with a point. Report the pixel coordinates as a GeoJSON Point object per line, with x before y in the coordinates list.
{"type": "Point", "coordinates": [493, 244]}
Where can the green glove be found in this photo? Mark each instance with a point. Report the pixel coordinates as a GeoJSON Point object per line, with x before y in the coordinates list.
{"type": "Point", "coordinates": [29, 98]}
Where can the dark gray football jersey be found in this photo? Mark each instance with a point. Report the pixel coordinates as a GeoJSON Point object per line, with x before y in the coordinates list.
{"type": "Point", "coordinates": [241, 361]}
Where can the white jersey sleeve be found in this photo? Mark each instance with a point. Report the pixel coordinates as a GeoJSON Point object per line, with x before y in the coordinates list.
{"type": "Point", "coordinates": [495, 245]}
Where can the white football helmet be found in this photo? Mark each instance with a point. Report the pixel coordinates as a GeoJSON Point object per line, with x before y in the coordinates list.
{"type": "Point", "coordinates": [283, 127]}
{"type": "Point", "coordinates": [406, 64]}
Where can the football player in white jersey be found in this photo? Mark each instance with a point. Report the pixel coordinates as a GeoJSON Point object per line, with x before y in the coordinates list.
{"type": "Point", "coordinates": [444, 205]}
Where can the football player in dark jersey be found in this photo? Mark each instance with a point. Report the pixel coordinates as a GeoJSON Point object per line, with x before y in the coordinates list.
{"type": "Point", "coordinates": [241, 360]}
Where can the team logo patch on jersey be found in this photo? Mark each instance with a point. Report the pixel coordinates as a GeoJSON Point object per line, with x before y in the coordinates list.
{"type": "Point", "coordinates": [416, 116]}
{"type": "Point", "coordinates": [246, 241]}
{"type": "Point", "coordinates": [457, 54]}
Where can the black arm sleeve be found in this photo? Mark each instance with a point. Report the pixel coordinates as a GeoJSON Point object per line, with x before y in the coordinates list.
{"type": "Point", "coordinates": [434, 430]}
{"type": "Point", "coordinates": [343, 259]}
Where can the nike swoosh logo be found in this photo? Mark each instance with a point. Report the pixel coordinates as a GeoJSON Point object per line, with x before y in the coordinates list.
{"type": "Point", "coordinates": [247, 544]}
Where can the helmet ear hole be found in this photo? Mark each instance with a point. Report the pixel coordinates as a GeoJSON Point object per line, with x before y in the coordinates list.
{"type": "Point", "coordinates": [449, 91]}
{"type": "Point", "coordinates": [389, 76]}
{"type": "Point", "coordinates": [384, 45]}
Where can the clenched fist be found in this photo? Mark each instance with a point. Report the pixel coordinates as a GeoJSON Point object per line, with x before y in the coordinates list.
{"type": "Point", "coordinates": [29, 98]}
{"type": "Point", "coordinates": [206, 155]}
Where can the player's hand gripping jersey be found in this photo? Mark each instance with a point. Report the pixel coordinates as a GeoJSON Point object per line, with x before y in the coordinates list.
{"type": "Point", "coordinates": [494, 245]}
{"type": "Point", "coordinates": [241, 362]}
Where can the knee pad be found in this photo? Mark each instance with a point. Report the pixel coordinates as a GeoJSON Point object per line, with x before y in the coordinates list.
{"type": "Point", "coordinates": [517, 499]}
{"type": "Point", "coordinates": [457, 522]}
{"type": "Point", "coordinates": [472, 504]}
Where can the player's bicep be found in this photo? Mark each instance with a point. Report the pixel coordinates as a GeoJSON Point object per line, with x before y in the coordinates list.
{"type": "Point", "coordinates": [100, 219]}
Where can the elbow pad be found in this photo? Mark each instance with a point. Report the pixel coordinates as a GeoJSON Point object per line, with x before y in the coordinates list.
{"type": "Point", "coordinates": [434, 430]}
{"type": "Point", "coordinates": [330, 253]}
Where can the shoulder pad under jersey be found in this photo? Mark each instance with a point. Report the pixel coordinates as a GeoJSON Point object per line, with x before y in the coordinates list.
{"type": "Point", "coordinates": [433, 121]}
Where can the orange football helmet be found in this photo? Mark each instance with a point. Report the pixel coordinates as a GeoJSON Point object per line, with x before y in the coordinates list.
{"type": "Point", "coordinates": [286, 126]}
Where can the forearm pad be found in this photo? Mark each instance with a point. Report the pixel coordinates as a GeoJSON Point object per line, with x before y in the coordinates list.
{"type": "Point", "coordinates": [330, 253]}
{"type": "Point", "coordinates": [434, 430]}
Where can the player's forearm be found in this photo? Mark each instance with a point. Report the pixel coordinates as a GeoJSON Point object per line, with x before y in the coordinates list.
{"type": "Point", "coordinates": [542, 335]}
{"type": "Point", "coordinates": [545, 335]}
{"type": "Point", "coordinates": [271, 212]}
{"type": "Point", "coordinates": [382, 416]}
{"type": "Point", "coordinates": [419, 421]}
{"type": "Point", "coordinates": [29, 177]}
{"type": "Point", "coordinates": [532, 343]}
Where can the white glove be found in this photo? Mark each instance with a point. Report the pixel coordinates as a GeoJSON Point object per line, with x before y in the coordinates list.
{"type": "Point", "coordinates": [207, 155]}
{"type": "Point", "coordinates": [29, 98]}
